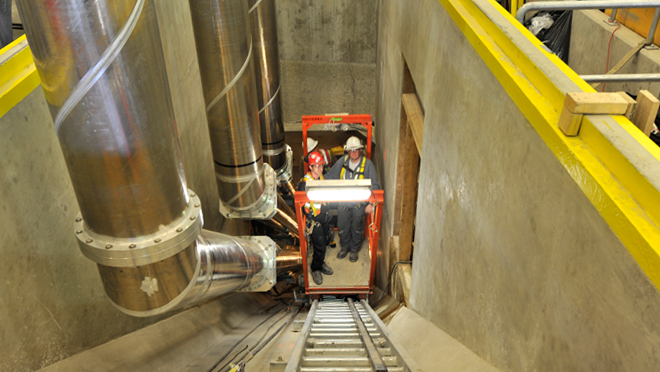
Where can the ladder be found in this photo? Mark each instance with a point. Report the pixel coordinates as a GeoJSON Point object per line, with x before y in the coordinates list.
{"type": "Point", "coordinates": [341, 336]}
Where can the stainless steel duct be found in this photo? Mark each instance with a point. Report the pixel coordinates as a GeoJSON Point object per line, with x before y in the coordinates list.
{"type": "Point", "coordinates": [247, 187]}
{"type": "Point", "coordinates": [103, 73]}
{"type": "Point", "coordinates": [267, 72]}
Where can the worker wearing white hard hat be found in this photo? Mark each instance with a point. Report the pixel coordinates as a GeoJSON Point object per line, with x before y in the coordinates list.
{"type": "Point", "coordinates": [312, 145]}
{"type": "Point", "coordinates": [350, 216]}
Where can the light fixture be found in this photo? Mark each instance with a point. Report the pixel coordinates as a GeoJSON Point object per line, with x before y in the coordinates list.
{"type": "Point", "coordinates": [338, 190]}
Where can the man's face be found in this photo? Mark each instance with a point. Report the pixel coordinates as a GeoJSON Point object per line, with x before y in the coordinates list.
{"type": "Point", "coordinates": [316, 170]}
{"type": "Point", "coordinates": [354, 154]}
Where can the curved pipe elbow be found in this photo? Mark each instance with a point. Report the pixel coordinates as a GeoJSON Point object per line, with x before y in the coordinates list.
{"type": "Point", "coordinates": [215, 264]}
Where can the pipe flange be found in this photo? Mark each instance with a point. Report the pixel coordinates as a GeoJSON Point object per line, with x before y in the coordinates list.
{"type": "Point", "coordinates": [264, 209]}
{"type": "Point", "coordinates": [285, 174]}
{"type": "Point", "coordinates": [267, 277]}
{"type": "Point", "coordinates": [141, 250]}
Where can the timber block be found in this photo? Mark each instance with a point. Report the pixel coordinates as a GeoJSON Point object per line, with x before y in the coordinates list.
{"type": "Point", "coordinates": [647, 109]}
{"type": "Point", "coordinates": [632, 105]}
{"type": "Point", "coordinates": [580, 103]}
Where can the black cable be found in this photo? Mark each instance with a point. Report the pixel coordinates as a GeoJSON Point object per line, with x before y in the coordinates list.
{"type": "Point", "coordinates": [241, 340]}
{"type": "Point", "coordinates": [389, 279]}
{"type": "Point", "coordinates": [269, 339]}
{"type": "Point", "coordinates": [257, 348]}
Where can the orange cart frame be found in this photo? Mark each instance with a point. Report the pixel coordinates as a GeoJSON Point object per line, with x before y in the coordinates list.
{"type": "Point", "coordinates": [372, 232]}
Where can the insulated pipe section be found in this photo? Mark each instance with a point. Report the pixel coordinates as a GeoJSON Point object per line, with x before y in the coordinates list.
{"type": "Point", "coordinates": [288, 261]}
{"type": "Point", "coordinates": [266, 58]}
{"type": "Point", "coordinates": [224, 51]}
{"type": "Point", "coordinates": [103, 74]}
{"type": "Point", "coordinates": [215, 264]}
{"type": "Point", "coordinates": [575, 5]}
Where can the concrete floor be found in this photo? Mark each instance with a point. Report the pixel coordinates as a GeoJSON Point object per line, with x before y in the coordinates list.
{"type": "Point", "coordinates": [346, 273]}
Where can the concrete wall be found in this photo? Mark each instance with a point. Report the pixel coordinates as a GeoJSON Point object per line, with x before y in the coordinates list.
{"type": "Point", "coordinates": [510, 258]}
{"type": "Point", "coordinates": [590, 37]}
{"type": "Point", "coordinates": [53, 303]}
{"type": "Point", "coordinates": [327, 56]}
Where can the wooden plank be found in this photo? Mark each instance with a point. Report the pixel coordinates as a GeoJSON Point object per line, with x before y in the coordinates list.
{"type": "Point", "coordinates": [632, 105]}
{"type": "Point", "coordinates": [409, 200]}
{"type": "Point", "coordinates": [647, 109]}
{"type": "Point", "coordinates": [415, 118]}
{"type": "Point", "coordinates": [595, 103]}
{"type": "Point", "coordinates": [569, 123]}
{"type": "Point", "coordinates": [400, 168]}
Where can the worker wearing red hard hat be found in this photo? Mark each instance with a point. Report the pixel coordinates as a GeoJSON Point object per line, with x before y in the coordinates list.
{"type": "Point", "coordinates": [318, 219]}
{"type": "Point", "coordinates": [312, 145]}
{"type": "Point", "coordinates": [350, 216]}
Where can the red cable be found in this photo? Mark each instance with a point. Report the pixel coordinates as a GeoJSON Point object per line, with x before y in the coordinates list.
{"type": "Point", "coordinates": [607, 67]}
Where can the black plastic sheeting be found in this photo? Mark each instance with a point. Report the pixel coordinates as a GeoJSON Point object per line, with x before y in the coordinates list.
{"type": "Point", "coordinates": [558, 36]}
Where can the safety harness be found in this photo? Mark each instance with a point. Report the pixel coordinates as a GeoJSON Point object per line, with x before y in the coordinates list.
{"type": "Point", "coordinates": [359, 170]}
{"type": "Point", "coordinates": [315, 207]}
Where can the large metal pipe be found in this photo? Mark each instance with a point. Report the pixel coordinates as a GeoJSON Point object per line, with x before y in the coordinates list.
{"type": "Point", "coordinates": [213, 265]}
{"type": "Point", "coordinates": [103, 74]}
{"type": "Point", "coordinates": [575, 5]}
{"type": "Point", "coordinates": [224, 50]}
{"type": "Point", "coordinates": [267, 73]}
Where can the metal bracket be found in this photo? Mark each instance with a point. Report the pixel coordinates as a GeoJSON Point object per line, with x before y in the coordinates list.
{"type": "Point", "coordinates": [286, 173]}
{"type": "Point", "coordinates": [142, 250]}
{"type": "Point", "coordinates": [264, 209]}
{"type": "Point", "coordinates": [267, 277]}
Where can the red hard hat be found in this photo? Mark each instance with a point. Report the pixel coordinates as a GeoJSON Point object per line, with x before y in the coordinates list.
{"type": "Point", "coordinates": [315, 158]}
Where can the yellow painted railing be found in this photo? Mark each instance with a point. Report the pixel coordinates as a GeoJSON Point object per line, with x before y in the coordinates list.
{"type": "Point", "coordinates": [625, 198]}
{"type": "Point", "coordinates": [18, 75]}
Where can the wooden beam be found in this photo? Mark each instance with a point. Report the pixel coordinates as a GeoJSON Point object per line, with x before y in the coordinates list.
{"type": "Point", "coordinates": [409, 197]}
{"type": "Point", "coordinates": [632, 105]}
{"type": "Point", "coordinates": [400, 168]}
{"type": "Point", "coordinates": [580, 103]}
{"type": "Point", "coordinates": [595, 103]}
{"type": "Point", "coordinates": [415, 118]}
{"type": "Point", "coordinates": [647, 109]}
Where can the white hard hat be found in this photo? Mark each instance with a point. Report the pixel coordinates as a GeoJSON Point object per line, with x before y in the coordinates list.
{"type": "Point", "coordinates": [311, 144]}
{"type": "Point", "coordinates": [353, 143]}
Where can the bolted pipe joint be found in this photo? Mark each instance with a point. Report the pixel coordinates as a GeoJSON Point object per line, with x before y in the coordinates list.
{"type": "Point", "coordinates": [145, 249]}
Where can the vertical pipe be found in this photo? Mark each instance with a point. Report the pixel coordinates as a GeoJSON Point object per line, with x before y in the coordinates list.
{"type": "Point", "coordinates": [224, 49]}
{"type": "Point", "coordinates": [103, 73]}
{"type": "Point", "coordinates": [266, 58]}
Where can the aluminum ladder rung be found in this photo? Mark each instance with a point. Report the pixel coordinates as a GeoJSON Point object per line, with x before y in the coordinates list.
{"type": "Point", "coordinates": [340, 336]}
{"type": "Point", "coordinates": [344, 361]}
{"type": "Point", "coordinates": [336, 351]}
{"type": "Point", "coordinates": [347, 369]}
{"type": "Point", "coordinates": [342, 342]}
